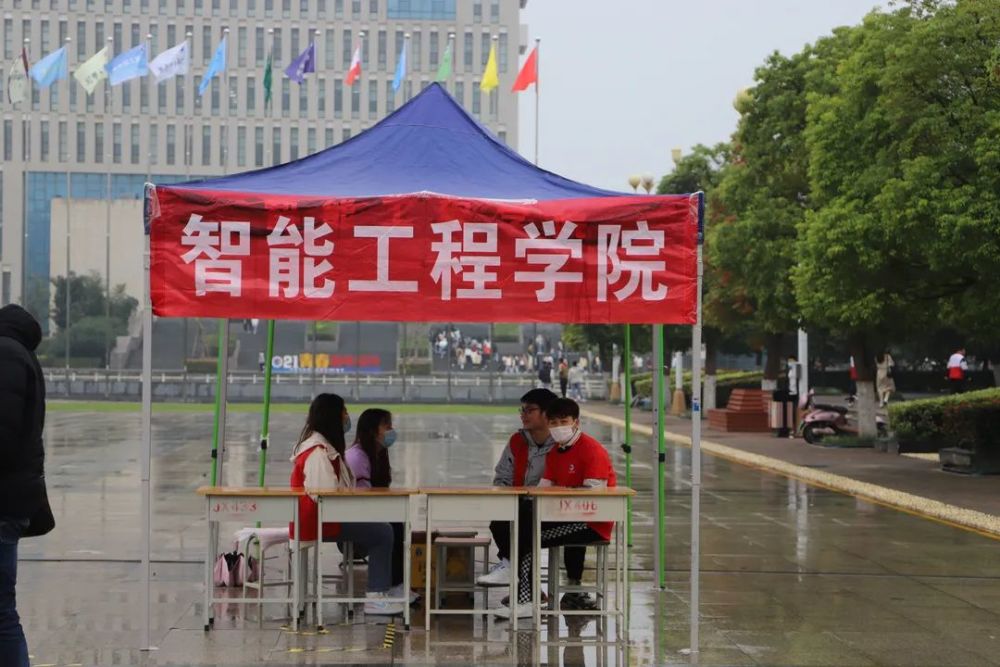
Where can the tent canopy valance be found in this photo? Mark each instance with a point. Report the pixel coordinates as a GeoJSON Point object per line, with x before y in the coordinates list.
{"type": "Point", "coordinates": [436, 219]}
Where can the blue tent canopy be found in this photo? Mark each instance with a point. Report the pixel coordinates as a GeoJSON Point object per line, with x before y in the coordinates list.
{"type": "Point", "coordinates": [429, 144]}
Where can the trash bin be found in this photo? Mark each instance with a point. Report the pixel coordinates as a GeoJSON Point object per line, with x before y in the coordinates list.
{"type": "Point", "coordinates": [782, 413]}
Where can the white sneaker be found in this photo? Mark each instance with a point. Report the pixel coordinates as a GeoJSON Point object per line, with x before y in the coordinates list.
{"type": "Point", "coordinates": [522, 610]}
{"type": "Point", "coordinates": [499, 575]}
{"type": "Point", "coordinates": [397, 592]}
{"type": "Point", "coordinates": [376, 605]}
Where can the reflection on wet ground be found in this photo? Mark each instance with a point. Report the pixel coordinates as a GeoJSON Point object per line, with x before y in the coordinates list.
{"type": "Point", "coordinates": [792, 575]}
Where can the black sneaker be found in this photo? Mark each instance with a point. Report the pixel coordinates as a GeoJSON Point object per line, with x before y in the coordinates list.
{"type": "Point", "coordinates": [579, 602]}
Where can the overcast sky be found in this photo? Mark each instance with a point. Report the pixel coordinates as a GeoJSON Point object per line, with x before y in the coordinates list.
{"type": "Point", "coordinates": [624, 82]}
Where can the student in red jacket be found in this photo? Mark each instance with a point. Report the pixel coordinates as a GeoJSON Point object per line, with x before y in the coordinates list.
{"type": "Point", "coordinates": [577, 460]}
{"type": "Point", "coordinates": [318, 463]}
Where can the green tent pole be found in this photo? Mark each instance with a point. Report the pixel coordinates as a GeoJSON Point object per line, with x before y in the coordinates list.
{"type": "Point", "coordinates": [265, 432]}
{"type": "Point", "coordinates": [220, 378]}
{"type": "Point", "coordinates": [628, 426]}
{"type": "Point", "coordinates": [661, 457]}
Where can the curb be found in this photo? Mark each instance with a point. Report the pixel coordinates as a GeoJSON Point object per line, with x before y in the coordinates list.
{"type": "Point", "coordinates": [987, 525]}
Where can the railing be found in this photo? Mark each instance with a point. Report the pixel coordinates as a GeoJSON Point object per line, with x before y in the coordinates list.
{"type": "Point", "coordinates": [245, 385]}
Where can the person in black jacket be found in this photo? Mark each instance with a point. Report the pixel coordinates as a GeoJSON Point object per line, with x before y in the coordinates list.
{"type": "Point", "coordinates": [24, 505]}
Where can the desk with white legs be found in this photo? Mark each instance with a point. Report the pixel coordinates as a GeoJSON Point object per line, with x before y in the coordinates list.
{"type": "Point", "coordinates": [364, 506]}
{"type": "Point", "coordinates": [470, 505]}
{"type": "Point", "coordinates": [249, 506]}
{"type": "Point", "coordinates": [571, 505]}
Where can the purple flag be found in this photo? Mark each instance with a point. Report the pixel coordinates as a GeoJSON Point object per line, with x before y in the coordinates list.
{"type": "Point", "coordinates": [304, 64]}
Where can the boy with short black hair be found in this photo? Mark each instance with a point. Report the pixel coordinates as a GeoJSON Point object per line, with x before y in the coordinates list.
{"type": "Point", "coordinates": [577, 460]}
{"type": "Point", "coordinates": [521, 464]}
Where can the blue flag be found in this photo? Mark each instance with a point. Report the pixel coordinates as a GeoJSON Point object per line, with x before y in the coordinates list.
{"type": "Point", "coordinates": [217, 66]}
{"type": "Point", "coordinates": [127, 66]}
{"type": "Point", "coordinates": [51, 68]}
{"type": "Point", "coordinates": [304, 64]}
{"type": "Point", "coordinates": [397, 81]}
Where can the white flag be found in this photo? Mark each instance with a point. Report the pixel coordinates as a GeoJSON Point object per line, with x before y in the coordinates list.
{"type": "Point", "coordinates": [17, 81]}
{"type": "Point", "coordinates": [92, 72]}
{"type": "Point", "coordinates": [172, 62]}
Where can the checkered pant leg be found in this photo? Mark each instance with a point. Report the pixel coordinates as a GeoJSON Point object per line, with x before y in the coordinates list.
{"type": "Point", "coordinates": [552, 536]}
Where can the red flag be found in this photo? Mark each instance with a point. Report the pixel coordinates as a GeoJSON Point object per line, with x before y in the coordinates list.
{"type": "Point", "coordinates": [529, 72]}
{"type": "Point", "coordinates": [355, 71]}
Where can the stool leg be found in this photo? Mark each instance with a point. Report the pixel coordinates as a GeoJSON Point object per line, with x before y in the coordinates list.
{"type": "Point", "coordinates": [555, 556]}
{"type": "Point", "coordinates": [349, 573]}
{"type": "Point", "coordinates": [603, 554]}
{"type": "Point", "coordinates": [441, 555]}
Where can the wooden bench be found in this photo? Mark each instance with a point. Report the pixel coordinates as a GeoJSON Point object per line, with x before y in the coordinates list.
{"type": "Point", "coordinates": [745, 412]}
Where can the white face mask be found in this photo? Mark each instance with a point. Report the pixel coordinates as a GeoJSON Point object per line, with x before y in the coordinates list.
{"type": "Point", "coordinates": [562, 434]}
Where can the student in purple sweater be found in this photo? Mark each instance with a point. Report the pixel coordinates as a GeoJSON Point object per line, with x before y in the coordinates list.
{"type": "Point", "coordinates": [368, 459]}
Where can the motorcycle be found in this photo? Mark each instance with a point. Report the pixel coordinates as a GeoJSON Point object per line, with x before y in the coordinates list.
{"type": "Point", "coordinates": [822, 419]}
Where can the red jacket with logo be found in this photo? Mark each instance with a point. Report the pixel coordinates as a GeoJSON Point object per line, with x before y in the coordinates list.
{"type": "Point", "coordinates": [585, 459]}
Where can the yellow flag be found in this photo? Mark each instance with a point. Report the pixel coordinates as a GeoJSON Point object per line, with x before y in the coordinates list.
{"type": "Point", "coordinates": [92, 72]}
{"type": "Point", "coordinates": [490, 77]}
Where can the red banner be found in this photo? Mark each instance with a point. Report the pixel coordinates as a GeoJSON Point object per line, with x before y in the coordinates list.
{"type": "Point", "coordinates": [423, 258]}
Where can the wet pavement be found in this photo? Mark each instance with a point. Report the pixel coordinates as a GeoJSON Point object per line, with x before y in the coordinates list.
{"type": "Point", "coordinates": [792, 574]}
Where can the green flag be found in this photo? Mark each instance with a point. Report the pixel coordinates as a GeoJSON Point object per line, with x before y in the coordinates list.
{"type": "Point", "coordinates": [267, 81]}
{"type": "Point", "coordinates": [444, 70]}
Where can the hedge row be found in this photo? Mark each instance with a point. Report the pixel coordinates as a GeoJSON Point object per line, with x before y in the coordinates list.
{"type": "Point", "coordinates": [968, 421]}
{"type": "Point", "coordinates": [907, 381]}
{"type": "Point", "coordinates": [726, 382]}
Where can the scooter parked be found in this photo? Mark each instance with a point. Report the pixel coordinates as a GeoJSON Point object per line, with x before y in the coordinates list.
{"type": "Point", "coordinates": [822, 419]}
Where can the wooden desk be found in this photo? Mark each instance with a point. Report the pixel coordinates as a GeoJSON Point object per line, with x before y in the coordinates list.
{"type": "Point", "coordinates": [566, 505]}
{"type": "Point", "coordinates": [471, 504]}
{"type": "Point", "coordinates": [363, 506]}
{"type": "Point", "coordinates": [248, 505]}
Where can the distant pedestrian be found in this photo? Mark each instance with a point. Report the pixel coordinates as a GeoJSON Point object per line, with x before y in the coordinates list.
{"type": "Point", "coordinates": [545, 375]}
{"type": "Point", "coordinates": [957, 368]}
{"type": "Point", "coordinates": [563, 376]}
{"type": "Point", "coordinates": [884, 380]}
{"type": "Point", "coordinates": [24, 504]}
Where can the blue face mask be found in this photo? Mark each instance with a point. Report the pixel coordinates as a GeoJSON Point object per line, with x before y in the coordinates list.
{"type": "Point", "coordinates": [389, 438]}
{"type": "Point", "coordinates": [347, 424]}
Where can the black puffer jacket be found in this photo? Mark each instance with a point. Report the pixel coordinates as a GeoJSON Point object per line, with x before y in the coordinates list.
{"type": "Point", "coordinates": [22, 417]}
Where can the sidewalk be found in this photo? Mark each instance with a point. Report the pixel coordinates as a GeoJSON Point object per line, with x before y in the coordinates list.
{"type": "Point", "coordinates": [911, 484]}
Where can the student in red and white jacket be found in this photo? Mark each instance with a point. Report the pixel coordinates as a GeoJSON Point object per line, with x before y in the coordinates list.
{"type": "Point", "coordinates": [318, 463]}
{"type": "Point", "coordinates": [577, 460]}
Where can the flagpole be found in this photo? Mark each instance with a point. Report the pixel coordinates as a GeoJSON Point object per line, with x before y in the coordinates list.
{"type": "Point", "coordinates": [189, 136]}
{"type": "Point", "coordinates": [149, 96]}
{"type": "Point", "coordinates": [224, 74]}
{"type": "Point", "coordinates": [451, 65]}
{"type": "Point", "coordinates": [268, 100]}
{"type": "Point", "coordinates": [406, 72]}
{"type": "Point", "coordinates": [109, 108]}
{"type": "Point", "coordinates": [69, 195]}
{"type": "Point", "coordinates": [538, 45]}
{"type": "Point", "coordinates": [495, 91]}
{"type": "Point", "coordinates": [24, 175]}
{"type": "Point", "coordinates": [316, 35]}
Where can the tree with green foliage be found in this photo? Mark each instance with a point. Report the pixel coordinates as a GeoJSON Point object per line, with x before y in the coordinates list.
{"type": "Point", "coordinates": [93, 320]}
{"type": "Point", "coordinates": [903, 139]}
{"type": "Point", "coordinates": [701, 170]}
{"type": "Point", "coordinates": [763, 194]}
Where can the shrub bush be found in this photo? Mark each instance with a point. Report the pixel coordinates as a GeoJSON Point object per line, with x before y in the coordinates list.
{"type": "Point", "coordinates": [968, 421]}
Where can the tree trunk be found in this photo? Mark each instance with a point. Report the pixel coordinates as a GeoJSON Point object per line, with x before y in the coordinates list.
{"type": "Point", "coordinates": [772, 366]}
{"type": "Point", "coordinates": [711, 363]}
{"type": "Point", "coordinates": [863, 362]}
